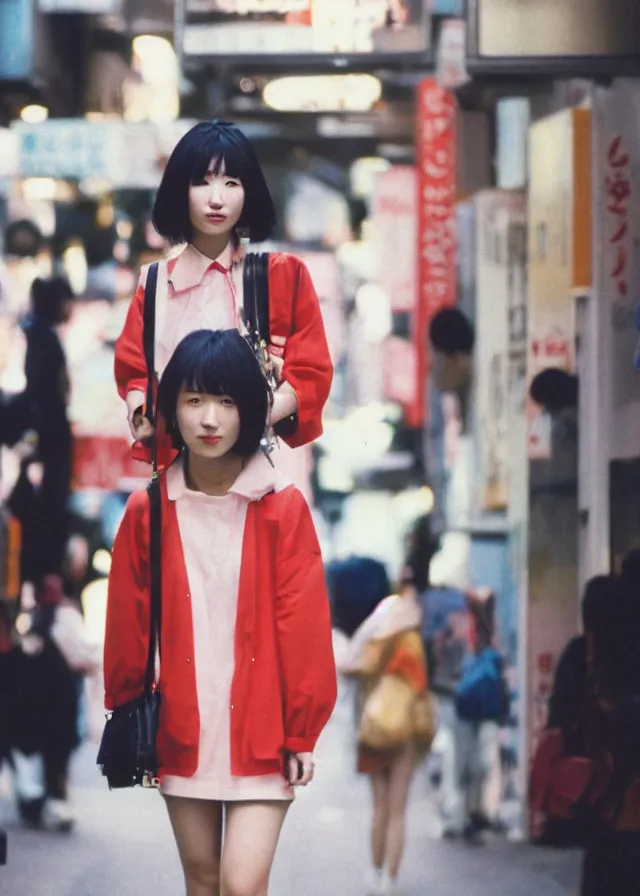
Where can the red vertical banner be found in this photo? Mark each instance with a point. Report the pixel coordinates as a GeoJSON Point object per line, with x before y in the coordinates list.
{"type": "Point", "coordinates": [436, 163]}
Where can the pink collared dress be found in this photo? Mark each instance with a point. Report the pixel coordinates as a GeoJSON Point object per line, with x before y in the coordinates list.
{"type": "Point", "coordinates": [207, 304]}
{"type": "Point", "coordinates": [211, 529]}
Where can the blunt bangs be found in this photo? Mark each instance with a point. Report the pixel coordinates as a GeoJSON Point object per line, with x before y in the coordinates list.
{"type": "Point", "coordinates": [189, 162]}
{"type": "Point", "coordinates": [217, 362]}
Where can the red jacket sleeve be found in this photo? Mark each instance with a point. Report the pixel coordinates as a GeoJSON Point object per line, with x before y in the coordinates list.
{"type": "Point", "coordinates": [127, 629]}
{"type": "Point", "coordinates": [307, 362]}
{"type": "Point", "coordinates": [130, 366]}
{"type": "Point", "coordinates": [304, 628]}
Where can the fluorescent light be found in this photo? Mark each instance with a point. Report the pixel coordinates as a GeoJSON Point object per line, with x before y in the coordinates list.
{"type": "Point", "coordinates": [323, 93]}
{"type": "Point", "coordinates": [34, 114]}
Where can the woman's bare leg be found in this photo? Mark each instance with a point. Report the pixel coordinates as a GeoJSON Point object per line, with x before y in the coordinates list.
{"type": "Point", "coordinates": [251, 836]}
{"type": "Point", "coordinates": [197, 827]}
{"type": "Point", "coordinates": [380, 793]}
{"type": "Point", "coordinates": [400, 778]}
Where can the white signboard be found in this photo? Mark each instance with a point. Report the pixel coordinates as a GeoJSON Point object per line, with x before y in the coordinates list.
{"type": "Point", "coordinates": [252, 27]}
{"type": "Point", "coordinates": [395, 228]}
{"type": "Point", "coordinates": [89, 7]}
{"type": "Point", "coordinates": [617, 217]}
{"type": "Point", "coordinates": [127, 155]}
{"type": "Point", "coordinates": [451, 54]}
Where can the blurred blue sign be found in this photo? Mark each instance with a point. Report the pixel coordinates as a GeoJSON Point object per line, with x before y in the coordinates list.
{"type": "Point", "coordinates": [16, 39]}
{"type": "Point", "coordinates": [447, 7]}
{"type": "Point", "coordinates": [64, 148]}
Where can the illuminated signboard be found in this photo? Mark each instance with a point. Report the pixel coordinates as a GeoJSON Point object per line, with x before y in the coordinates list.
{"type": "Point", "coordinates": [298, 30]}
{"type": "Point", "coordinates": [572, 37]}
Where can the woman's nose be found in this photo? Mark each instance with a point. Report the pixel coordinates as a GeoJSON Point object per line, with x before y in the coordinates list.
{"type": "Point", "coordinates": [215, 196]}
{"type": "Point", "coordinates": [210, 416]}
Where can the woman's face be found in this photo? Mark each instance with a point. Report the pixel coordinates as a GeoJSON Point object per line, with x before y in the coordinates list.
{"type": "Point", "coordinates": [215, 202]}
{"type": "Point", "coordinates": [209, 424]}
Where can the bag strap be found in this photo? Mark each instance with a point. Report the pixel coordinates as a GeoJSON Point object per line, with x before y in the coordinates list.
{"type": "Point", "coordinates": [148, 339]}
{"type": "Point", "coordinates": [153, 489]}
{"type": "Point", "coordinates": [256, 295]}
{"type": "Point", "coordinates": [255, 289]}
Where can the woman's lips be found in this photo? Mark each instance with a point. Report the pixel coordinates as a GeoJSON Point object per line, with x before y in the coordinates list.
{"type": "Point", "coordinates": [210, 440]}
{"type": "Point", "coordinates": [216, 219]}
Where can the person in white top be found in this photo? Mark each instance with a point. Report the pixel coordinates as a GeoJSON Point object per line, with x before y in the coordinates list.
{"type": "Point", "coordinates": [247, 674]}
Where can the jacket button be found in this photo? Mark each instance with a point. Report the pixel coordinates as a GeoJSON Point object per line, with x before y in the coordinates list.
{"type": "Point", "coordinates": [232, 706]}
{"type": "Point", "coordinates": [188, 660]}
{"type": "Point", "coordinates": [253, 659]}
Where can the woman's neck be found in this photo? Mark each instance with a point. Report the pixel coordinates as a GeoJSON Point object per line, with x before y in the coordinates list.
{"type": "Point", "coordinates": [212, 476]}
{"type": "Point", "coordinates": [211, 246]}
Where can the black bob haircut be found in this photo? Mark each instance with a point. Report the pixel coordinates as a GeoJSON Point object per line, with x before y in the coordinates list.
{"type": "Point", "coordinates": [188, 164]}
{"type": "Point", "coordinates": [217, 362]}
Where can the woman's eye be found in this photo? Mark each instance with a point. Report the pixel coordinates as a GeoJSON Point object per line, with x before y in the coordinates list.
{"type": "Point", "coordinates": [228, 403]}
{"type": "Point", "coordinates": [233, 183]}
{"type": "Point", "coordinates": [194, 400]}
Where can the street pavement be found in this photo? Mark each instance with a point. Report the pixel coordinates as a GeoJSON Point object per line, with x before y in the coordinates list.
{"type": "Point", "coordinates": [122, 845]}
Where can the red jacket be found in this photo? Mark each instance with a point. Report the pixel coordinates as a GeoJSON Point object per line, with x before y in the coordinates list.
{"type": "Point", "coordinates": [284, 684]}
{"type": "Point", "coordinates": [294, 314]}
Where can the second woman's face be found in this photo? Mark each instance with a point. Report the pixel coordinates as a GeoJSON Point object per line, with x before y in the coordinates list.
{"type": "Point", "coordinates": [215, 202]}
{"type": "Point", "coordinates": [209, 424]}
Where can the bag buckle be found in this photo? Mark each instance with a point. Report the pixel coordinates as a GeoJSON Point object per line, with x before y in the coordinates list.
{"type": "Point", "coordinates": [150, 782]}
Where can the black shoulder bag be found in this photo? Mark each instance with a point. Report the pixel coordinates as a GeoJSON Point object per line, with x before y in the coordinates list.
{"type": "Point", "coordinates": [255, 287]}
{"type": "Point", "coordinates": [127, 752]}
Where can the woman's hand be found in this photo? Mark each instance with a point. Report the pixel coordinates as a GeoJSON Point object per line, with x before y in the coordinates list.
{"type": "Point", "coordinates": [300, 762]}
{"type": "Point", "coordinates": [140, 427]}
{"type": "Point", "coordinates": [275, 368]}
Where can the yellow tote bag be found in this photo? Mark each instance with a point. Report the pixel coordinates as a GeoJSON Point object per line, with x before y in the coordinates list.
{"type": "Point", "coordinates": [388, 714]}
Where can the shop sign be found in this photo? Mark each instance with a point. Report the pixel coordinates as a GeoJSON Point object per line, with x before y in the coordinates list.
{"type": "Point", "coordinates": [226, 28]}
{"type": "Point", "coordinates": [436, 158]}
{"type": "Point", "coordinates": [446, 7]}
{"type": "Point", "coordinates": [575, 37]}
{"type": "Point", "coordinates": [126, 155]}
{"type": "Point", "coordinates": [87, 7]}
{"type": "Point", "coordinates": [618, 195]}
{"type": "Point", "coordinates": [394, 220]}
{"type": "Point", "coordinates": [17, 42]}
{"type": "Point", "coordinates": [451, 70]}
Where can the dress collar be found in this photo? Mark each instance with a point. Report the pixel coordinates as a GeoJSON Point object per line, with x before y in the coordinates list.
{"type": "Point", "coordinates": [254, 482]}
{"type": "Point", "coordinates": [190, 266]}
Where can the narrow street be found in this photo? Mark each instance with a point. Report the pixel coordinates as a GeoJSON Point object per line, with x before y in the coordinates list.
{"type": "Point", "coordinates": [123, 844]}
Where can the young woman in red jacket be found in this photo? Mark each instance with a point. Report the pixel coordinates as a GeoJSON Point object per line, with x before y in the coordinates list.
{"type": "Point", "coordinates": [247, 673]}
{"type": "Point", "coordinates": [212, 193]}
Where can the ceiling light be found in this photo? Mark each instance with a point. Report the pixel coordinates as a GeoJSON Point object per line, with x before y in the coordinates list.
{"type": "Point", "coordinates": [34, 114]}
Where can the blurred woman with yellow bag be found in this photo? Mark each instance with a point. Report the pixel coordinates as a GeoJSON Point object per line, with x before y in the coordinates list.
{"type": "Point", "coordinates": [396, 723]}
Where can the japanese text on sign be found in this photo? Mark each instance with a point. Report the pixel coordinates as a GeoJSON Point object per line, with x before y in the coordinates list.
{"type": "Point", "coordinates": [618, 201]}
{"type": "Point", "coordinates": [436, 156]}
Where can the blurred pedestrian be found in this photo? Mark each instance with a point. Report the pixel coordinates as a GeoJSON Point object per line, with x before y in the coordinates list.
{"type": "Point", "coordinates": [48, 393]}
{"type": "Point", "coordinates": [52, 655]}
{"type": "Point", "coordinates": [611, 726]}
{"type": "Point", "coordinates": [212, 193]}
{"type": "Point", "coordinates": [387, 656]}
{"type": "Point", "coordinates": [600, 601]}
{"type": "Point", "coordinates": [481, 708]}
{"type": "Point", "coordinates": [247, 669]}
{"type": "Point", "coordinates": [356, 586]}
